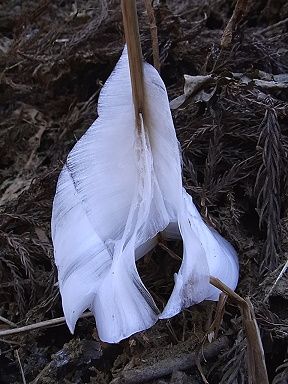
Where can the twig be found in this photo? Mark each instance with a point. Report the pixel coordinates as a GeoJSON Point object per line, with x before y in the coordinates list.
{"type": "Point", "coordinates": [21, 368]}
{"type": "Point", "coordinates": [154, 35]}
{"type": "Point", "coordinates": [167, 366]}
{"type": "Point", "coordinates": [42, 373]}
{"type": "Point", "coordinates": [169, 251]}
{"type": "Point", "coordinates": [131, 29]}
{"type": "Point", "coordinates": [272, 27]}
{"type": "Point", "coordinates": [8, 322]}
{"type": "Point", "coordinates": [11, 342]}
{"type": "Point", "coordinates": [283, 270]}
{"type": "Point", "coordinates": [41, 324]}
{"type": "Point", "coordinates": [238, 13]}
{"type": "Point", "coordinates": [199, 367]}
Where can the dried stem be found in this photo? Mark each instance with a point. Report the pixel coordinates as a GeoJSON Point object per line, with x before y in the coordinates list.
{"type": "Point", "coordinates": [21, 367]}
{"type": "Point", "coordinates": [229, 292]}
{"type": "Point", "coordinates": [153, 31]}
{"type": "Point", "coordinates": [41, 324]}
{"type": "Point", "coordinates": [131, 29]}
{"type": "Point", "coordinates": [219, 313]}
{"type": "Point", "coordinates": [8, 322]}
{"type": "Point", "coordinates": [239, 11]}
{"type": "Point", "coordinates": [283, 270]}
{"type": "Point", "coordinates": [255, 353]}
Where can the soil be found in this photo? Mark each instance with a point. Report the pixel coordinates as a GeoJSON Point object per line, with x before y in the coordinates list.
{"type": "Point", "coordinates": [233, 130]}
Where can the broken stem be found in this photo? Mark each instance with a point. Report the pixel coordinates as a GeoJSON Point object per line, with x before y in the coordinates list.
{"type": "Point", "coordinates": [131, 30]}
{"type": "Point", "coordinates": [219, 313]}
{"type": "Point", "coordinates": [255, 353]}
{"type": "Point", "coordinates": [229, 292]}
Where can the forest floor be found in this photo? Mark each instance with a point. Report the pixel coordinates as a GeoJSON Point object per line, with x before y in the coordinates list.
{"type": "Point", "coordinates": [233, 130]}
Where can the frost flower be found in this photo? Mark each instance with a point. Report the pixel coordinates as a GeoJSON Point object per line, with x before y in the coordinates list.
{"type": "Point", "coordinates": [119, 188]}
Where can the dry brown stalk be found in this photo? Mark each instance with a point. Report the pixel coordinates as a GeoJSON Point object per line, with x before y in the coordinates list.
{"type": "Point", "coordinates": [154, 35]}
{"type": "Point", "coordinates": [255, 356]}
{"type": "Point", "coordinates": [131, 29]}
{"type": "Point", "coordinates": [229, 292]}
{"type": "Point", "coordinates": [257, 372]}
{"type": "Point", "coordinates": [239, 11]}
{"type": "Point", "coordinates": [220, 308]}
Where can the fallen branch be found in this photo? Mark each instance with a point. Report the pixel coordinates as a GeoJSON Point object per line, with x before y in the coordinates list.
{"type": "Point", "coordinates": [167, 366]}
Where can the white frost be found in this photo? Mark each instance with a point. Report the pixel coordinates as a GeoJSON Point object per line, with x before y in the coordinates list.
{"type": "Point", "coordinates": [117, 190]}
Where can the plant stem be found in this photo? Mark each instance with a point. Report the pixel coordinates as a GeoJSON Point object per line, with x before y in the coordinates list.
{"type": "Point", "coordinates": [131, 29]}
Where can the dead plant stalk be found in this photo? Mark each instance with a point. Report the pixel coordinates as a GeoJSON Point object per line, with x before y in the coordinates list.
{"type": "Point", "coordinates": [257, 372]}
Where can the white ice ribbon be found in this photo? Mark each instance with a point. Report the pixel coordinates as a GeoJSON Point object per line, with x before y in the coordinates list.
{"type": "Point", "coordinates": [119, 188]}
